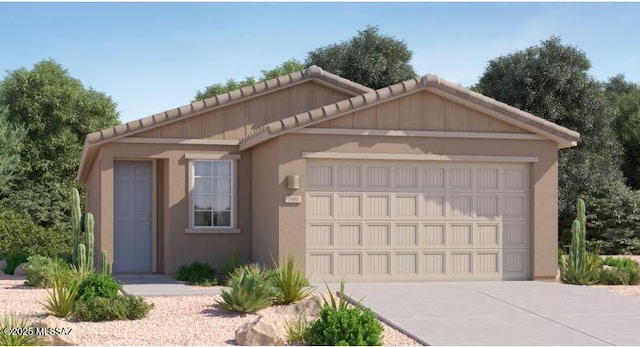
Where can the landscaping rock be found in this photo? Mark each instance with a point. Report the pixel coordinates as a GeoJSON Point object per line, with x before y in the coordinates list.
{"type": "Point", "coordinates": [261, 332]}
{"type": "Point", "coordinates": [58, 340]}
{"type": "Point", "coordinates": [310, 307]}
{"type": "Point", "coordinates": [19, 271]}
{"type": "Point", "coordinates": [3, 265]}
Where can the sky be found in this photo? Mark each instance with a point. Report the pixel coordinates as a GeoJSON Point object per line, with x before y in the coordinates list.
{"type": "Point", "coordinates": [151, 57]}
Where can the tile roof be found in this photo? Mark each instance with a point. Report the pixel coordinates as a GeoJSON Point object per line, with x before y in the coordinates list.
{"type": "Point", "coordinates": [564, 136]}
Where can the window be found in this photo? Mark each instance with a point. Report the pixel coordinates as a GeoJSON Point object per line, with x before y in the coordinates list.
{"type": "Point", "coordinates": [213, 194]}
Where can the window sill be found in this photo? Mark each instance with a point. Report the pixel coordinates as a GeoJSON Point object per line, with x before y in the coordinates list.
{"type": "Point", "coordinates": [212, 231]}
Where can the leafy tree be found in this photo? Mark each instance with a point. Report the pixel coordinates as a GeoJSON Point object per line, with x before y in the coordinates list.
{"type": "Point", "coordinates": [551, 81]}
{"type": "Point", "coordinates": [625, 96]}
{"type": "Point", "coordinates": [56, 112]}
{"type": "Point", "coordinates": [369, 58]}
{"type": "Point", "coordinates": [285, 68]}
{"type": "Point", "coordinates": [10, 141]}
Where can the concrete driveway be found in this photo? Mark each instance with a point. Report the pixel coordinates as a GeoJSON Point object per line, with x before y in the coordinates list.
{"type": "Point", "coordinates": [503, 313]}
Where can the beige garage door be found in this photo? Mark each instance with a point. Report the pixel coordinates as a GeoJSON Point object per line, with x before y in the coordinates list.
{"type": "Point", "coordinates": [393, 220]}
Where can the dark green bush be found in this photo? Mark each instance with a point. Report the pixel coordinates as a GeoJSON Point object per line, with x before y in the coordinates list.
{"type": "Point", "coordinates": [95, 285]}
{"type": "Point", "coordinates": [19, 233]}
{"type": "Point", "coordinates": [120, 307]}
{"type": "Point", "coordinates": [620, 271]}
{"type": "Point", "coordinates": [197, 273]}
{"type": "Point", "coordinates": [346, 327]}
{"type": "Point", "coordinates": [40, 270]}
{"type": "Point", "coordinates": [14, 260]}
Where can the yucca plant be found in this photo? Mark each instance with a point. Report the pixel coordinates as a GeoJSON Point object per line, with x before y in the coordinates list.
{"type": "Point", "coordinates": [61, 296]}
{"type": "Point", "coordinates": [12, 321]}
{"type": "Point", "coordinates": [342, 303]}
{"type": "Point", "coordinates": [291, 285]}
{"type": "Point", "coordinates": [249, 293]}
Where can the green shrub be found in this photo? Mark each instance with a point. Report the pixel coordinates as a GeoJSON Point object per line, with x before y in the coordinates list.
{"type": "Point", "coordinates": [98, 285]}
{"type": "Point", "coordinates": [250, 292]}
{"type": "Point", "coordinates": [291, 285]}
{"type": "Point", "coordinates": [120, 307]}
{"type": "Point", "coordinates": [62, 296]}
{"type": "Point", "coordinates": [297, 330]}
{"type": "Point", "coordinates": [346, 327]}
{"type": "Point", "coordinates": [14, 260]}
{"type": "Point", "coordinates": [19, 233]}
{"type": "Point", "coordinates": [622, 271]}
{"type": "Point", "coordinates": [40, 270]}
{"type": "Point", "coordinates": [11, 321]}
{"type": "Point", "coordinates": [200, 274]}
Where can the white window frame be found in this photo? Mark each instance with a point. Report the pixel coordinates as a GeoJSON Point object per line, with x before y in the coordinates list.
{"type": "Point", "coordinates": [214, 157]}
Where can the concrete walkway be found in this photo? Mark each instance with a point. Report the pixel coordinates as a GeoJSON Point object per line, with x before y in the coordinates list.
{"type": "Point", "coordinates": [161, 285]}
{"type": "Point", "coordinates": [503, 313]}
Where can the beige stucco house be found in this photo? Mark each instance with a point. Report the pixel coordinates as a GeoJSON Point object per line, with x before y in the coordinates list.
{"type": "Point", "coordinates": [422, 180]}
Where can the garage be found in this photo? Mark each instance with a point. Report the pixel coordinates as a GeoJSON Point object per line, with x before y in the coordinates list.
{"type": "Point", "coordinates": [417, 220]}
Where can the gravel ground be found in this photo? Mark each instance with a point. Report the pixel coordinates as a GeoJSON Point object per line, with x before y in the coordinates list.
{"type": "Point", "coordinates": [632, 291]}
{"type": "Point", "coordinates": [176, 320]}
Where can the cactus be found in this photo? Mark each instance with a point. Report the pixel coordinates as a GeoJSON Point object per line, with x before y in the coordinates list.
{"type": "Point", "coordinates": [578, 250]}
{"type": "Point", "coordinates": [105, 266]}
{"type": "Point", "coordinates": [82, 256]}
{"type": "Point", "coordinates": [76, 228]}
{"type": "Point", "coordinates": [580, 266]}
{"type": "Point", "coordinates": [88, 231]}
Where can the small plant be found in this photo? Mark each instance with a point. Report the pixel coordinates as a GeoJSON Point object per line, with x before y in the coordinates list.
{"type": "Point", "coordinates": [341, 304]}
{"type": "Point", "coordinates": [98, 286]}
{"type": "Point", "coordinates": [291, 286]}
{"type": "Point", "coordinates": [297, 330]}
{"type": "Point", "coordinates": [40, 270]}
{"type": "Point", "coordinates": [249, 293]}
{"type": "Point", "coordinates": [620, 271]}
{"type": "Point", "coordinates": [120, 307]}
{"type": "Point", "coordinates": [199, 274]}
{"type": "Point", "coordinates": [11, 321]}
{"type": "Point", "coordinates": [580, 266]}
{"type": "Point", "coordinates": [232, 263]}
{"type": "Point", "coordinates": [347, 327]}
{"type": "Point", "coordinates": [61, 297]}
{"type": "Point", "coordinates": [13, 261]}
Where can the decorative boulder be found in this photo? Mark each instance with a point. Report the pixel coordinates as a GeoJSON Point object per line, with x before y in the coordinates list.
{"type": "Point", "coordinates": [58, 339]}
{"type": "Point", "coordinates": [19, 270]}
{"type": "Point", "coordinates": [3, 265]}
{"type": "Point", "coordinates": [261, 332]}
{"type": "Point", "coordinates": [308, 307]}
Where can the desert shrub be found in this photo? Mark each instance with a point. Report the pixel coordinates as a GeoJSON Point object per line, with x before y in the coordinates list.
{"type": "Point", "coordinates": [346, 327]}
{"type": "Point", "coordinates": [291, 285]}
{"type": "Point", "coordinates": [19, 233]}
{"type": "Point", "coordinates": [40, 270]}
{"type": "Point", "coordinates": [620, 271]}
{"type": "Point", "coordinates": [13, 261]}
{"type": "Point", "coordinates": [61, 296]}
{"type": "Point", "coordinates": [120, 307]}
{"type": "Point", "coordinates": [297, 330]}
{"type": "Point", "coordinates": [11, 321]}
{"type": "Point", "coordinates": [98, 285]}
{"type": "Point", "coordinates": [196, 273]}
{"type": "Point", "coordinates": [250, 292]}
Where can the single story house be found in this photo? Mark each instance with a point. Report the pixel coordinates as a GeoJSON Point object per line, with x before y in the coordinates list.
{"type": "Point", "coordinates": [421, 180]}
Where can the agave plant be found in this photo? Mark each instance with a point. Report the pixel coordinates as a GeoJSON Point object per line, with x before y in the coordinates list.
{"type": "Point", "coordinates": [249, 293]}
{"type": "Point", "coordinates": [291, 285]}
{"type": "Point", "coordinates": [12, 321]}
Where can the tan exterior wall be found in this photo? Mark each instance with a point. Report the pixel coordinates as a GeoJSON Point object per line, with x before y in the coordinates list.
{"type": "Point", "coordinates": [176, 247]}
{"type": "Point", "coordinates": [544, 189]}
{"type": "Point", "coordinates": [266, 199]}
{"type": "Point", "coordinates": [235, 121]}
{"type": "Point", "coordinates": [421, 111]}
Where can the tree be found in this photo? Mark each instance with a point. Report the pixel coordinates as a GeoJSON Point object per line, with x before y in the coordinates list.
{"type": "Point", "coordinates": [10, 141]}
{"type": "Point", "coordinates": [56, 112]}
{"type": "Point", "coordinates": [551, 81]}
{"type": "Point", "coordinates": [289, 66]}
{"type": "Point", "coordinates": [368, 58]}
{"type": "Point", "coordinates": [625, 97]}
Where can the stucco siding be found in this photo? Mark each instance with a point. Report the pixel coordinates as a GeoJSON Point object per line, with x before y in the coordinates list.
{"type": "Point", "coordinates": [236, 120]}
{"type": "Point", "coordinates": [543, 175]}
{"type": "Point", "coordinates": [421, 111]}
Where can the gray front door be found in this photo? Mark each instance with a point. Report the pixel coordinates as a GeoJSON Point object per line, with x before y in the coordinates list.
{"type": "Point", "coordinates": [132, 216]}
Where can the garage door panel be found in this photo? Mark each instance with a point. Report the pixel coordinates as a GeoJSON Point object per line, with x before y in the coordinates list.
{"type": "Point", "coordinates": [415, 220]}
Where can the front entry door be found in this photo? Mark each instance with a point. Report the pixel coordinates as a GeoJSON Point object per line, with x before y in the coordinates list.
{"type": "Point", "coordinates": [132, 216]}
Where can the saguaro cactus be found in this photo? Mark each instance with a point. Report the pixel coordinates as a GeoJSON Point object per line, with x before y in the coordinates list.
{"type": "Point", "coordinates": [76, 228]}
{"type": "Point", "coordinates": [82, 256]}
{"type": "Point", "coordinates": [106, 266]}
{"type": "Point", "coordinates": [578, 250]}
{"type": "Point", "coordinates": [88, 230]}
{"type": "Point", "coordinates": [580, 266]}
